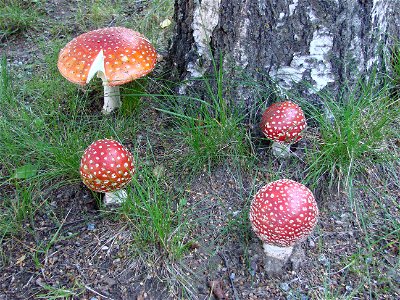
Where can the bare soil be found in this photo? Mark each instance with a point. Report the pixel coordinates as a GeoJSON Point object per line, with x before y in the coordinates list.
{"type": "Point", "coordinates": [94, 249]}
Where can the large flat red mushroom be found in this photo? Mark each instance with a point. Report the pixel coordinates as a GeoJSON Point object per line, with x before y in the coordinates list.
{"type": "Point", "coordinates": [116, 54]}
{"type": "Point", "coordinates": [283, 213]}
{"type": "Point", "coordinates": [106, 167]}
{"type": "Point", "coordinates": [283, 123]}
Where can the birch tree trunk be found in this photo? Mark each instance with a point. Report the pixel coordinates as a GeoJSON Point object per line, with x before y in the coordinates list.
{"type": "Point", "coordinates": [322, 42]}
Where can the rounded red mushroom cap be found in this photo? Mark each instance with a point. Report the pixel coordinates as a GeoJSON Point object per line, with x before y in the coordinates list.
{"type": "Point", "coordinates": [283, 212]}
{"type": "Point", "coordinates": [283, 122]}
{"type": "Point", "coordinates": [106, 166]}
{"type": "Point", "coordinates": [120, 53]}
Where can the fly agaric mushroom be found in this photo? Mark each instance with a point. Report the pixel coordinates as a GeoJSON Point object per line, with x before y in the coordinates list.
{"type": "Point", "coordinates": [282, 213]}
{"type": "Point", "coordinates": [116, 54]}
{"type": "Point", "coordinates": [283, 123]}
{"type": "Point", "coordinates": [106, 167]}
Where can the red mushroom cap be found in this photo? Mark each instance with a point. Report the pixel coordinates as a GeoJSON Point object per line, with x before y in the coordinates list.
{"type": "Point", "coordinates": [126, 55]}
{"type": "Point", "coordinates": [283, 212]}
{"type": "Point", "coordinates": [283, 122]}
{"type": "Point", "coordinates": [106, 166]}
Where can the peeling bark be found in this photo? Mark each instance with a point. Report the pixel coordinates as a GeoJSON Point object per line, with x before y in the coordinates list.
{"type": "Point", "coordinates": [323, 43]}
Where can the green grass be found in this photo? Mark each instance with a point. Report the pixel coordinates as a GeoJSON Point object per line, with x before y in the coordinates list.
{"type": "Point", "coordinates": [142, 16]}
{"type": "Point", "coordinates": [16, 209]}
{"type": "Point", "coordinates": [36, 135]}
{"type": "Point", "coordinates": [46, 122]}
{"type": "Point", "coordinates": [209, 128]}
{"type": "Point", "coordinates": [156, 214]}
{"type": "Point", "coordinates": [381, 237]}
{"type": "Point", "coordinates": [35, 131]}
{"type": "Point", "coordinates": [374, 264]}
{"type": "Point", "coordinates": [18, 16]}
{"type": "Point", "coordinates": [148, 21]}
{"type": "Point", "coordinates": [353, 131]}
{"type": "Point", "coordinates": [47, 85]}
{"type": "Point", "coordinates": [53, 293]}
{"type": "Point", "coordinates": [395, 70]}
{"type": "Point", "coordinates": [96, 13]}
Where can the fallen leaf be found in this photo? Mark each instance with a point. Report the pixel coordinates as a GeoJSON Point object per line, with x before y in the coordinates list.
{"type": "Point", "coordinates": [142, 295]}
{"type": "Point", "coordinates": [216, 289]}
{"type": "Point", "coordinates": [21, 259]}
{"type": "Point", "coordinates": [165, 23]}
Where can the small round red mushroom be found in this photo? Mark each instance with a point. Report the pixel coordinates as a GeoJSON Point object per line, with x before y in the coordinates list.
{"type": "Point", "coordinates": [283, 123]}
{"type": "Point", "coordinates": [106, 166]}
{"type": "Point", "coordinates": [283, 212]}
{"type": "Point", "coordinates": [117, 54]}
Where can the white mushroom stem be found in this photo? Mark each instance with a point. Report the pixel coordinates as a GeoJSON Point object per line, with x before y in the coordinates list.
{"type": "Point", "coordinates": [279, 253]}
{"type": "Point", "coordinates": [112, 98]}
{"type": "Point", "coordinates": [280, 149]}
{"type": "Point", "coordinates": [115, 198]}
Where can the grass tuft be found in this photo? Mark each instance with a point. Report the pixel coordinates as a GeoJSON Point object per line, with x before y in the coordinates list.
{"type": "Point", "coordinates": [395, 68]}
{"type": "Point", "coordinates": [353, 132]}
{"type": "Point", "coordinates": [17, 16]}
{"type": "Point", "coordinates": [210, 128]}
{"type": "Point", "coordinates": [156, 214]}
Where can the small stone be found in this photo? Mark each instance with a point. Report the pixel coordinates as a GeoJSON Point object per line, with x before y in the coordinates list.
{"type": "Point", "coordinates": [291, 297]}
{"type": "Point", "coordinates": [323, 260]}
{"type": "Point", "coordinates": [109, 281]}
{"type": "Point", "coordinates": [235, 213]}
{"type": "Point", "coordinates": [285, 287]}
{"type": "Point", "coordinates": [345, 216]}
{"type": "Point", "coordinates": [39, 281]}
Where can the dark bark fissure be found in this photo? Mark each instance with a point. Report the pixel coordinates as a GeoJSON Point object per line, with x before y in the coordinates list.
{"type": "Point", "coordinates": [182, 48]}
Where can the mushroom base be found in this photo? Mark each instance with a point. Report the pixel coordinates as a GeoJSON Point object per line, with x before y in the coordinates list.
{"type": "Point", "coordinates": [115, 198]}
{"type": "Point", "coordinates": [280, 149]}
{"type": "Point", "coordinates": [281, 253]}
{"type": "Point", "coordinates": [276, 258]}
{"type": "Point", "coordinates": [112, 99]}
